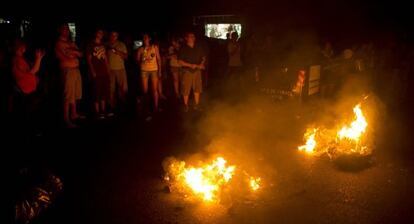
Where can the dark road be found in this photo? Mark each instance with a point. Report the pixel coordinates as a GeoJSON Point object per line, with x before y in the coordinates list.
{"type": "Point", "coordinates": [112, 171]}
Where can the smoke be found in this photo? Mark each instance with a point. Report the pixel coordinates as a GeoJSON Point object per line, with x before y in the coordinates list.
{"type": "Point", "coordinates": [255, 131]}
{"type": "Point", "coordinates": [261, 136]}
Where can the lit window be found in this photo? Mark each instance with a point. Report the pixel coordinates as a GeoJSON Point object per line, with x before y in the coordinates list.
{"type": "Point", "coordinates": [72, 29]}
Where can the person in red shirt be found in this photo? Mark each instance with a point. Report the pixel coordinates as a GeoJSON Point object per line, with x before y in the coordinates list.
{"type": "Point", "coordinates": [26, 85]}
{"type": "Point", "coordinates": [24, 74]}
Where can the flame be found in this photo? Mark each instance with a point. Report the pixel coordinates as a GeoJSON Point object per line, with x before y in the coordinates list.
{"type": "Point", "coordinates": [205, 181]}
{"type": "Point", "coordinates": [357, 127]}
{"type": "Point", "coordinates": [349, 138]}
{"type": "Point", "coordinates": [255, 183]}
{"type": "Point", "coordinates": [310, 144]}
{"type": "Point", "coordinates": [209, 180]}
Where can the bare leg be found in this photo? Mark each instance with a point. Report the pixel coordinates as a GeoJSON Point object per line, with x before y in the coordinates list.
{"type": "Point", "coordinates": [122, 95]}
{"type": "Point", "coordinates": [176, 84]}
{"type": "Point", "coordinates": [161, 95]}
{"type": "Point", "coordinates": [96, 104]}
{"type": "Point", "coordinates": [103, 106]}
{"type": "Point", "coordinates": [154, 82]}
{"type": "Point", "coordinates": [197, 98]}
{"type": "Point", "coordinates": [66, 114]}
{"type": "Point", "coordinates": [112, 89]}
{"type": "Point", "coordinates": [144, 85]}
{"type": "Point", "coordinates": [185, 100]}
{"type": "Point", "coordinates": [73, 112]}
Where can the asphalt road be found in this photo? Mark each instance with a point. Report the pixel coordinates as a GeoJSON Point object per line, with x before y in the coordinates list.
{"type": "Point", "coordinates": [112, 170]}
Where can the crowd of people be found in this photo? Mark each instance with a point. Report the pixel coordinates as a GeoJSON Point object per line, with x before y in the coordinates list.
{"type": "Point", "coordinates": [106, 74]}
{"type": "Point", "coordinates": [186, 60]}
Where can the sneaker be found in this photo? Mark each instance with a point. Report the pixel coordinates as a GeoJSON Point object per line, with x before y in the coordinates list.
{"type": "Point", "coordinates": [110, 114]}
{"type": "Point", "coordinates": [186, 109]}
{"type": "Point", "coordinates": [101, 116]}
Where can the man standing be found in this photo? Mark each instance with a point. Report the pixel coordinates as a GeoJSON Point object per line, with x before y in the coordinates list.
{"type": "Point", "coordinates": [68, 53]}
{"type": "Point", "coordinates": [117, 54]}
{"type": "Point", "coordinates": [191, 58]}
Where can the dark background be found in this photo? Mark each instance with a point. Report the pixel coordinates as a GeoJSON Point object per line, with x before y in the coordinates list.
{"type": "Point", "coordinates": [350, 20]}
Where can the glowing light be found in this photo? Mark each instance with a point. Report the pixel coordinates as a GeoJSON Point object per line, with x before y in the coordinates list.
{"type": "Point", "coordinates": [255, 183]}
{"type": "Point", "coordinates": [310, 144]}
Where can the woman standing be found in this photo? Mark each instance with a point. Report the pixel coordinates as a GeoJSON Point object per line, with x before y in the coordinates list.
{"type": "Point", "coordinates": [99, 73]}
{"type": "Point", "coordinates": [148, 57]}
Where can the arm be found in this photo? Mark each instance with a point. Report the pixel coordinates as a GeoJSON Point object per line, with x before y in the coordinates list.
{"type": "Point", "coordinates": [38, 60]}
{"type": "Point", "coordinates": [59, 50]}
{"type": "Point", "coordinates": [91, 68]}
{"type": "Point", "coordinates": [159, 62]}
{"type": "Point", "coordinates": [138, 57]}
{"type": "Point", "coordinates": [66, 54]}
{"type": "Point", "coordinates": [186, 64]}
{"type": "Point", "coordinates": [107, 65]}
{"type": "Point", "coordinates": [122, 52]}
{"type": "Point", "coordinates": [21, 68]}
{"type": "Point", "coordinates": [202, 64]}
{"type": "Point", "coordinates": [74, 51]}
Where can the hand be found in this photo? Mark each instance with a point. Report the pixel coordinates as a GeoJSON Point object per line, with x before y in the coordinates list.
{"type": "Point", "coordinates": [194, 66]}
{"type": "Point", "coordinates": [201, 66]}
{"type": "Point", "coordinates": [39, 53]}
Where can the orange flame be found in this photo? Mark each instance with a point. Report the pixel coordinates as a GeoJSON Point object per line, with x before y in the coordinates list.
{"type": "Point", "coordinates": [206, 181]}
{"type": "Point", "coordinates": [255, 183]}
{"type": "Point", "coordinates": [356, 128]}
{"type": "Point", "coordinates": [310, 144]}
{"type": "Point", "coordinates": [347, 139]}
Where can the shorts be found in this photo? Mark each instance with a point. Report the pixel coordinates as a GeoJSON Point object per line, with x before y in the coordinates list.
{"type": "Point", "coordinates": [151, 74]}
{"type": "Point", "coordinates": [191, 80]}
{"type": "Point", "coordinates": [72, 85]}
{"type": "Point", "coordinates": [118, 79]}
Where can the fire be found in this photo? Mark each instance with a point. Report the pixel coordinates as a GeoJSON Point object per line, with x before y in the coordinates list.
{"type": "Point", "coordinates": [349, 138]}
{"type": "Point", "coordinates": [310, 145]}
{"type": "Point", "coordinates": [207, 181]}
{"type": "Point", "coordinates": [357, 127]}
{"type": "Point", "coordinates": [255, 183]}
